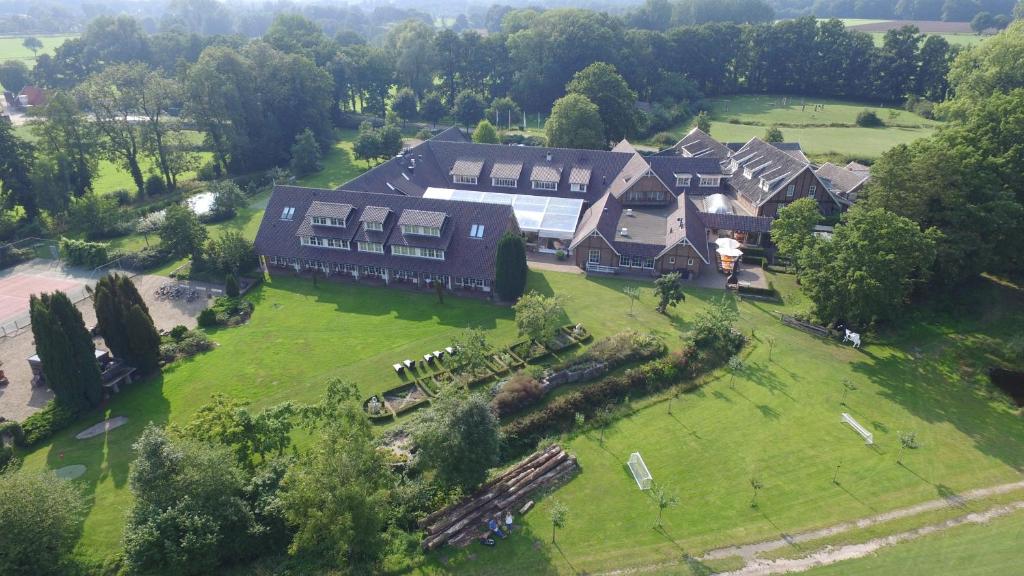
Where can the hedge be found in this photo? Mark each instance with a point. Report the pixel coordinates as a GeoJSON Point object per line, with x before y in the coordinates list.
{"type": "Point", "coordinates": [53, 418]}
{"type": "Point", "coordinates": [82, 253]}
{"type": "Point", "coordinates": [652, 376]}
{"type": "Point", "coordinates": [757, 291]}
{"type": "Point", "coordinates": [9, 256]}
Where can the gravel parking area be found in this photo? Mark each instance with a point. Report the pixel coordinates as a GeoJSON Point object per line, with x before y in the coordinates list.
{"type": "Point", "coordinates": [19, 398]}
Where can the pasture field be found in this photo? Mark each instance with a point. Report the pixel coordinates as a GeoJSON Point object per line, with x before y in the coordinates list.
{"type": "Point", "coordinates": [11, 48]}
{"type": "Point", "coordinates": [956, 33]}
{"type": "Point", "coordinates": [778, 421]}
{"type": "Point", "coordinates": [830, 130]}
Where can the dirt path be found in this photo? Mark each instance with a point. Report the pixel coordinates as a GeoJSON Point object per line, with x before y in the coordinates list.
{"type": "Point", "coordinates": [831, 555]}
{"type": "Point", "coordinates": [749, 552]}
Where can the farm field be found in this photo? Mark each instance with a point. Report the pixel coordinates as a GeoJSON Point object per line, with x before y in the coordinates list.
{"type": "Point", "coordinates": [956, 33]}
{"type": "Point", "coordinates": [970, 550]}
{"type": "Point", "coordinates": [11, 48]}
{"type": "Point", "coordinates": [831, 130]}
{"type": "Point", "coordinates": [780, 423]}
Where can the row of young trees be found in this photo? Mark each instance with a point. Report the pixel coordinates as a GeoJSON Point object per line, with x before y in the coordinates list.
{"type": "Point", "coordinates": [937, 212]}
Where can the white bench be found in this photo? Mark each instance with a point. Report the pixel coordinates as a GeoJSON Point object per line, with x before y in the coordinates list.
{"type": "Point", "coordinates": [868, 437]}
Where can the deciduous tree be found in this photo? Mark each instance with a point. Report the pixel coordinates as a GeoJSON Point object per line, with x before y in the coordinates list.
{"type": "Point", "coordinates": [305, 154]}
{"type": "Point", "coordinates": [669, 291]}
{"type": "Point", "coordinates": [616, 102]}
{"type": "Point", "coordinates": [538, 317]}
{"type": "Point", "coordinates": [485, 133]}
{"type": "Point", "coordinates": [458, 438]}
{"type": "Point", "coordinates": [793, 229]}
{"type": "Point", "coordinates": [40, 514]}
{"type": "Point", "coordinates": [575, 122]}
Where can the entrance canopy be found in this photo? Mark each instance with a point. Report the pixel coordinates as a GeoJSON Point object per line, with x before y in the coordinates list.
{"type": "Point", "coordinates": [547, 217]}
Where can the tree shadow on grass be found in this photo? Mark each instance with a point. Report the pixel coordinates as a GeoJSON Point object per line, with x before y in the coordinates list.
{"type": "Point", "coordinates": [766, 378]}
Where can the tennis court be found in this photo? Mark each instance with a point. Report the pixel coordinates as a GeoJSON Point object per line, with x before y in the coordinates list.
{"type": "Point", "coordinates": [18, 284]}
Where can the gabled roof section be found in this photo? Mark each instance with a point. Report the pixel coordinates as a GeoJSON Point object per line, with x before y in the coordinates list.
{"type": "Point", "coordinates": [422, 218]}
{"type": "Point", "coordinates": [636, 168]}
{"type": "Point", "coordinates": [624, 146]}
{"type": "Point", "coordinates": [329, 210]}
{"type": "Point", "coordinates": [579, 175]}
{"type": "Point", "coordinates": [469, 168]}
{"type": "Point", "coordinates": [376, 214]}
{"type": "Point", "coordinates": [509, 170]}
{"type": "Point", "coordinates": [700, 144]}
{"type": "Point", "coordinates": [758, 161]}
{"type": "Point", "coordinates": [545, 174]}
{"type": "Point", "coordinates": [452, 134]}
{"type": "Point", "coordinates": [840, 181]}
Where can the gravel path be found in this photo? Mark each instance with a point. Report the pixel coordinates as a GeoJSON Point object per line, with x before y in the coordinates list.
{"type": "Point", "coordinates": [831, 555]}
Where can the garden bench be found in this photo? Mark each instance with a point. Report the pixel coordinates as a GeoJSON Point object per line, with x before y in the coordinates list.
{"type": "Point", "coordinates": [869, 438]}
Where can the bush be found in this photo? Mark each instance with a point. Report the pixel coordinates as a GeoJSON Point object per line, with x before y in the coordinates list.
{"type": "Point", "coordinates": [663, 140]}
{"type": "Point", "coordinates": [209, 171]}
{"type": "Point", "coordinates": [231, 286]}
{"type": "Point", "coordinates": [82, 253]}
{"type": "Point", "coordinates": [619, 349]}
{"type": "Point", "coordinates": [185, 345]}
{"type": "Point", "coordinates": [123, 197]}
{"type": "Point", "coordinates": [207, 318]}
{"type": "Point", "coordinates": [14, 430]}
{"type": "Point", "coordinates": [144, 259]}
{"type": "Point", "coordinates": [516, 393]}
{"type": "Point", "coordinates": [868, 119]}
{"type": "Point", "coordinates": [9, 256]}
{"type": "Point", "coordinates": [424, 134]}
{"type": "Point", "coordinates": [756, 291]}
{"type": "Point", "coordinates": [42, 425]}
{"type": "Point", "coordinates": [155, 186]}
{"type": "Point", "coordinates": [178, 332]}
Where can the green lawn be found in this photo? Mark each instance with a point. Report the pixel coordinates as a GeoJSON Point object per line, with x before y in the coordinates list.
{"type": "Point", "coordinates": [11, 48]}
{"type": "Point", "coordinates": [971, 550]}
{"type": "Point", "coordinates": [780, 423]}
{"type": "Point", "coordinates": [829, 131]}
{"type": "Point", "coordinates": [964, 40]}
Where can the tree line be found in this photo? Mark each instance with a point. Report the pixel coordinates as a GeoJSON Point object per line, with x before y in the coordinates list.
{"type": "Point", "coordinates": [936, 213]}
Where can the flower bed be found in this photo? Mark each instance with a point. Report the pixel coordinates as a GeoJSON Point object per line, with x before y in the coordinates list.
{"type": "Point", "coordinates": [561, 341]}
{"type": "Point", "coordinates": [376, 409]}
{"type": "Point", "coordinates": [578, 332]}
{"type": "Point", "coordinates": [405, 398]}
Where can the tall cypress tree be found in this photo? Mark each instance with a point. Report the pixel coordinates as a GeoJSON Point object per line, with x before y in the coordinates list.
{"type": "Point", "coordinates": [66, 350]}
{"type": "Point", "coordinates": [510, 267]}
{"type": "Point", "coordinates": [124, 321]}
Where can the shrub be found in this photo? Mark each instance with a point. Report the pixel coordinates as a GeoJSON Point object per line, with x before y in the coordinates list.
{"type": "Point", "coordinates": [9, 256]}
{"type": "Point", "coordinates": [207, 318]}
{"type": "Point", "coordinates": [155, 185]}
{"type": "Point", "coordinates": [143, 259]}
{"type": "Point", "coordinates": [14, 430]}
{"type": "Point", "coordinates": [82, 253]}
{"type": "Point", "coordinates": [663, 140]}
{"type": "Point", "coordinates": [178, 332]}
{"type": "Point", "coordinates": [209, 171]}
{"type": "Point", "coordinates": [868, 119]}
{"type": "Point", "coordinates": [424, 134]}
{"type": "Point", "coordinates": [42, 425]}
{"type": "Point", "coordinates": [190, 343]}
{"type": "Point", "coordinates": [231, 286]}
{"type": "Point", "coordinates": [516, 393]}
{"type": "Point", "coordinates": [123, 197]}
{"type": "Point", "coordinates": [619, 349]}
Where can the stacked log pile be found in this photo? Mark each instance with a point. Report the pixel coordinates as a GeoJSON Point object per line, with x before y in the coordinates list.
{"type": "Point", "coordinates": [461, 523]}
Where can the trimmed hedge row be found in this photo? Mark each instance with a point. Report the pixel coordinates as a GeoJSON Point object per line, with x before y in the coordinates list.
{"type": "Point", "coordinates": [82, 253]}
{"type": "Point", "coordinates": [652, 376]}
{"type": "Point", "coordinates": [42, 425]}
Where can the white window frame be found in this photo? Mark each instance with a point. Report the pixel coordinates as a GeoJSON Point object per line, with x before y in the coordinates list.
{"type": "Point", "coordinates": [417, 252]}
{"type": "Point", "coordinates": [689, 262]}
{"type": "Point", "coordinates": [671, 260]}
{"type": "Point", "coordinates": [812, 189]}
{"type": "Point", "coordinates": [328, 221]}
{"type": "Point", "coordinates": [790, 190]}
{"type": "Point", "coordinates": [710, 182]}
{"type": "Point", "coordinates": [374, 226]}
{"type": "Point", "coordinates": [505, 182]}
{"type": "Point", "coordinates": [639, 262]}
{"type": "Point", "coordinates": [590, 256]}
{"type": "Point", "coordinates": [461, 179]}
{"type": "Point", "coordinates": [683, 181]}
{"type": "Point", "coordinates": [417, 230]}
{"type": "Point", "coordinates": [574, 187]}
{"type": "Point", "coordinates": [288, 213]}
{"type": "Point", "coordinates": [476, 231]}
{"type": "Point", "coordinates": [371, 247]}
{"type": "Point", "coordinates": [544, 185]}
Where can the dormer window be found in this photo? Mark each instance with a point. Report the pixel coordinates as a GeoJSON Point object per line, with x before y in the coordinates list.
{"type": "Point", "coordinates": [709, 180]}
{"type": "Point", "coordinates": [764, 184]}
{"type": "Point", "coordinates": [578, 187]}
{"type": "Point", "coordinates": [683, 180]}
{"type": "Point", "coordinates": [375, 226]}
{"type": "Point", "coordinates": [544, 185]}
{"type": "Point", "coordinates": [504, 182]}
{"type": "Point", "coordinates": [545, 178]}
{"type": "Point", "coordinates": [416, 230]}
{"type": "Point", "coordinates": [467, 171]}
{"type": "Point", "coordinates": [461, 179]}
{"type": "Point", "coordinates": [328, 221]}
{"type": "Point", "coordinates": [288, 213]}
{"type": "Point", "coordinates": [506, 174]}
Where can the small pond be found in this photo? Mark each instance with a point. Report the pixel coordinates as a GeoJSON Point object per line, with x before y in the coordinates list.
{"type": "Point", "coordinates": [201, 203]}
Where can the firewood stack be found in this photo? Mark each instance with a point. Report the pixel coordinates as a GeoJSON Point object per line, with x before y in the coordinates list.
{"type": "Point", "coordinates": [460, 524]}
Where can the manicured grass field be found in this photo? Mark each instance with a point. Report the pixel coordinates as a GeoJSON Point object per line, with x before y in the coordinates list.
{"type": "Point", "coordinates": [964, 40]}
{"type": "Point", "coordinates": [11, 48]}
{"type": "Point", "coordinates": [831, 130]}
{"type": "Point", "coordinates": [992, 549]}
{"type": "Point", "coordinates": [780, 423]}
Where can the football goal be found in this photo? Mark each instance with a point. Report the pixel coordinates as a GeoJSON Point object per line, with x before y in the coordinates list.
{"type": "Point", "coordinates": [868, 437]}
{"type": "Point", "coordinates": [640, 472]}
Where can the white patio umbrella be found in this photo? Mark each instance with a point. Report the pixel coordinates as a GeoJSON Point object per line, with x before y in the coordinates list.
{"type": "Point", "coordinates": [727, 243]}
{"type": "Point", "coordinates": [730, 252]}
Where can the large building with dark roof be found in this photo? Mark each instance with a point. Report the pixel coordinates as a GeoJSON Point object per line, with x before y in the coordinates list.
{"type": "Point", "coordinates": [612, 211]}
{"type": "Point", "coordinates": [385, 238]}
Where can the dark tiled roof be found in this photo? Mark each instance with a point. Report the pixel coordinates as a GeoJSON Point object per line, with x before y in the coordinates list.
{"type": "Point", "coordinates": [740, 222]}
{"type": "Point", "coordinates": [767, 162]}
{"type": "Point", "coordinates": [452, 134]}
{"type": "Point", "coordinates": [541, 173]}
{"type": "Point", "coordinates": [376, 214]}
{"type": "Point", "coordinates": [858, 167]}
{"type": "Point", "coordinates": [465, 256]}
{"type": "Point", "coordinates": [434, 160]}
{"type": "Point", "coordinates": [840, 180]}
{"type": "Point", "coordinates": [666, 167]}
{"type": "Point", "coordinates": [471, 168]}
{"type": "Point", "coordinates": [509, 170]}
{"type": "Point", "coordinates": [699, 144]}
{"type": "Point", "coordinates": [579, 175]}
{"type": "Point", "coordinates": [329, 210]}
{"type": "Point", "coordinates": [422, 218]}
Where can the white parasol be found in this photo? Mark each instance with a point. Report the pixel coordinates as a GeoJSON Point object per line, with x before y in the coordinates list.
{"type": "Point", "coordinates": [727, 243]}
{"type": "Point", "coordinates": [730, 252]}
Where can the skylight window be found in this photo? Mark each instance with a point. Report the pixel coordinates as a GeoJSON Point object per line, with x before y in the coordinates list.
{"type": "Point", "coordinates": [288, 213]}
{"type": "Point", "coordinates": [476, 231]}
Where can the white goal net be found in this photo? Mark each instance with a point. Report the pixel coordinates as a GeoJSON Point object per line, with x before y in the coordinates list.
{"type": "Point", "coordinates": [640, 472]}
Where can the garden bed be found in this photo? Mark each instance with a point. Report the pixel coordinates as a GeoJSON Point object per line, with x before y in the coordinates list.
{"type": "Point", "coordinates": [405, 398]}
{"type": "Point", "coordinates": [383, 411]}
{"type": "Point", "coordinates": [560, 342]}
{"type": "Point", "coordinates": [578, 332]}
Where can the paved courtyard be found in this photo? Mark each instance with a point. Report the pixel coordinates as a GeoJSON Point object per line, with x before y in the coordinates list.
{"type": "Point", "coordinates": [19, 398]}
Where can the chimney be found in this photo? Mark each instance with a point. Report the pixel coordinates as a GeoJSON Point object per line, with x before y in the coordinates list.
{"type": "Point", "coordinates": [624, 232]}
{"type": "Point", "coordinates": [629, 211]}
